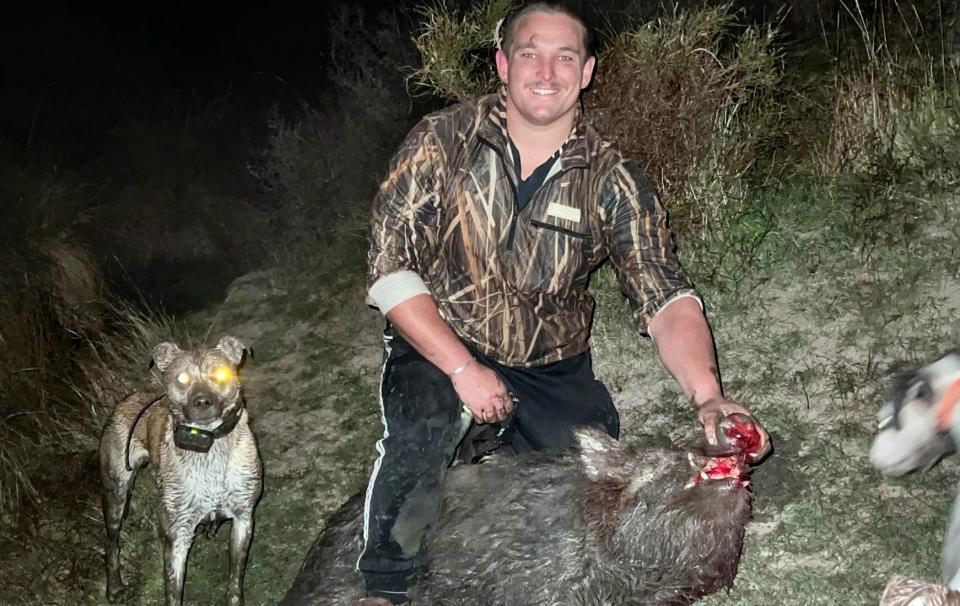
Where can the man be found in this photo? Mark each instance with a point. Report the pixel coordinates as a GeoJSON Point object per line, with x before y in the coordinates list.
{"type": "Point", "coordinates": [484, 235]}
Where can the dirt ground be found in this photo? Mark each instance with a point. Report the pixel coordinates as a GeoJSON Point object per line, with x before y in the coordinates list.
{"type": "Point", "coordinates": [827, 529]}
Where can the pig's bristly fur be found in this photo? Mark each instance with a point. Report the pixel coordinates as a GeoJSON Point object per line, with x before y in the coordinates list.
{"type": "Point", "coordinates": [608, 526]}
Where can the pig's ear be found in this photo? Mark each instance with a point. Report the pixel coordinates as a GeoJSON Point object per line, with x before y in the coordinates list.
{"type": "Point", "coordinates": [601, 457]}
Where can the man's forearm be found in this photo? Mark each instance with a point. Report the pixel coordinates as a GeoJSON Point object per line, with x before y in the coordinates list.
{"type": "Point", "coordinates": [685, 346]}
{"type": "Point", "coordinates": [420, 323]}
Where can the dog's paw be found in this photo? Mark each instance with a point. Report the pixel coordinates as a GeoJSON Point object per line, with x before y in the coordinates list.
{"type": "Point", "coordinates": [121, 594]}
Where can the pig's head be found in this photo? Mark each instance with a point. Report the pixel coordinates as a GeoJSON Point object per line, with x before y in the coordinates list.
{"type": "Point", "coordinates": [647, 504]}
{"type": "Point", "coordinates": [605, 460]}
{"type": "Point", "coordinates": [918, 423]}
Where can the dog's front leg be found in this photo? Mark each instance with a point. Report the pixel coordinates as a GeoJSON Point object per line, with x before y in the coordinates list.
{"type": "Point", "coordinates": [241, 533]}
{"type": "Point", "coordinates": [176, 546]}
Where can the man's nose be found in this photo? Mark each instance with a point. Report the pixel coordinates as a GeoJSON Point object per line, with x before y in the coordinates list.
{"type": "Point", "coordinates": [546, 68]}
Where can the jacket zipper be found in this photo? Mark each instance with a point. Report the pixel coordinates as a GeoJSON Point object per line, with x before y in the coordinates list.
{"type": "Point", "coordinates": [512, 231]}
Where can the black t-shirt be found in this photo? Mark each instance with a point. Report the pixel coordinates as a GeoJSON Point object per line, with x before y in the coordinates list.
{"type": "Point", "coordinates": [526, 188]}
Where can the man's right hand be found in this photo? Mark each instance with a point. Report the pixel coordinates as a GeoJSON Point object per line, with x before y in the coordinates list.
{"type": "Point", "coordinates": [483, 393]}
{"type": "Point", "coordinates": [479, 388]}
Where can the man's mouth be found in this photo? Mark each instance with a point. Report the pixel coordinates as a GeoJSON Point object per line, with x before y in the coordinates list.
{"type": "Point", "coordinates": [544, 92]}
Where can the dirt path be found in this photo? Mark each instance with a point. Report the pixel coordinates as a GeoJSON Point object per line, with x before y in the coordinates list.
{"type": "Point", "coordinates": [827, 529]}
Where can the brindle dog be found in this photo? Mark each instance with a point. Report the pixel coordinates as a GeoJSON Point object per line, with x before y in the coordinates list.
{"type": "Point", "coordinates": [197, 437]}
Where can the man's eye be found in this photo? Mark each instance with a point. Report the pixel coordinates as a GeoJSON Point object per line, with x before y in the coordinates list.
{"type": "Point", "coordinates": [184, 378]}
{"type": "Point", "coordinates": [528, 55]}
{"type": "Point", "coordinates": [566, 58]}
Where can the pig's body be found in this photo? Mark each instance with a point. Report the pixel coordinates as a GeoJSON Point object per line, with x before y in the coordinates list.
{"type": "Point", "coordinates": [607, 526]}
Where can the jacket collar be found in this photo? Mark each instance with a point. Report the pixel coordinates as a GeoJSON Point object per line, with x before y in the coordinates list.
{"type": "Point", "coordinates": [574, 153]}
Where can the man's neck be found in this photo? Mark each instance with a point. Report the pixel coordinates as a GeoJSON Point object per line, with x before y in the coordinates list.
{"type": "Point", "coordinates": [537, 143]}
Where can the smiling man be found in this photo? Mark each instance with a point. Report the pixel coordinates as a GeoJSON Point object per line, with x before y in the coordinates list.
{"type": "Point", "coordinates": [485, 233]}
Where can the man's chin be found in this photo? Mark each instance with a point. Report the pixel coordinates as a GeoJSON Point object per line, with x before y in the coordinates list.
{"type": "Point", "coordinates": [544, 115]}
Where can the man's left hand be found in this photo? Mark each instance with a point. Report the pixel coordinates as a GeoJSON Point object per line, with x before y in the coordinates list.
{"type": "Point", "coordinates": [710, 413]}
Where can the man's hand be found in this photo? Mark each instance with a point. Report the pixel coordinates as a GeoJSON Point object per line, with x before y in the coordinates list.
{"type": "Point", "coordinates": [710, 413]}
{"type": "Point", "coordinates": [483, 393]}
{"type": "Point", "coordinates": [478, 387]}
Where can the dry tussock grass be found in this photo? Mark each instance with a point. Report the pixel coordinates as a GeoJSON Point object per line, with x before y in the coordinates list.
{"type": "Point", "coordinates": [688, 95]}
{"type": "Point", "coordinates": [896, 90]}
{"type": "Point", "coordinates": [56, 390]}
{"type": "Point", "coordinates": [456, 50]}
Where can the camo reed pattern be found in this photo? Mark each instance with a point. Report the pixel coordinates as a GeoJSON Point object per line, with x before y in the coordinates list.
{"type": "Point", "coordinates": [516, 284]}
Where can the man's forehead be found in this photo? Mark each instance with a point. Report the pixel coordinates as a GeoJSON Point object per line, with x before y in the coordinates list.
{"type": "Point", "coordinates": [554, 29]}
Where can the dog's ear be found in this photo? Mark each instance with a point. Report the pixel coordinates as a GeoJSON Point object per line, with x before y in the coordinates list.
{"type": "Point", "coordinates": [164, 353]}
{"type": "Point", "coordinates": [233, 348]}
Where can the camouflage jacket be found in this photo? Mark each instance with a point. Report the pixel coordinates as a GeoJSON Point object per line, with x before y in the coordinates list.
{"type": "Point", "coordinates": [515, 284]}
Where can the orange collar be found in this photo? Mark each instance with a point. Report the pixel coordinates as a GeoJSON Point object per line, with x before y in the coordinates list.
{"type": "Point", "coordinates": [944, 409]}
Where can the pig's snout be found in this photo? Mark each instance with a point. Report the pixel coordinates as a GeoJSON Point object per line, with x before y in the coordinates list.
{"type": "Point", "coordinates": [739, 433]}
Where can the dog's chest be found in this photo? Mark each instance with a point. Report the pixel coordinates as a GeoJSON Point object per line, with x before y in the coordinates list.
{"type": "Point", "coordinates": [221, 482]}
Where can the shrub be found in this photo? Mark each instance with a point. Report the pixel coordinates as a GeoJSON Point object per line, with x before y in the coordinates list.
{"type": "Point", "coordinates": [897, 102]}
{"type": "Point", "coordinates": [688, 95]}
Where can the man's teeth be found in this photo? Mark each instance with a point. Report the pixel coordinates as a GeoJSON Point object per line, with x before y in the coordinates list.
{"type": "Point", "coordinates": [544, 91]}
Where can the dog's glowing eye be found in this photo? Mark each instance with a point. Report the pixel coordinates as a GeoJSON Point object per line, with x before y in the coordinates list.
{"type": "Point", "coordinates": [184, 378]}
{"type": "Point", "coordinates": [222, 374]}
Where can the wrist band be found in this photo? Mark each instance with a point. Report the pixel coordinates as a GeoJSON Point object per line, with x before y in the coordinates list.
{"type": "Point", "coordinates": [460, 368]}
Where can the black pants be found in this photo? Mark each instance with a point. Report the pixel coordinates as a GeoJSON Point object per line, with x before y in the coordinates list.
{"type": "Point", "coordinates": [423, 424]}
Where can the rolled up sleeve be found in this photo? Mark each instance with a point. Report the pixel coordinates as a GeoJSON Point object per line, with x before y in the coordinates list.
{"type": "Point", "coordinates": [403, 235]}
{"type": "Point", "coordinates": [640, 246]}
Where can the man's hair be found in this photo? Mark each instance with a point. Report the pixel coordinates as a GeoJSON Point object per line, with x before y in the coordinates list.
{"type": "Point", "coordinates": [509, 26]}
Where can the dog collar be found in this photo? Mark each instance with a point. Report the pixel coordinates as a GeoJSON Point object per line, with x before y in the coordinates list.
{"type": "Point", "coordinates": [946, 406]}
{"type": "Point", "coordinates": [195, 439]}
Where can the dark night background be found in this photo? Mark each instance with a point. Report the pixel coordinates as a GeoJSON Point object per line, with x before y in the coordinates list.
{"type": "Point", "coordinates": [72, 69]}
{"type": "Point", "coordinates": [169, 96]}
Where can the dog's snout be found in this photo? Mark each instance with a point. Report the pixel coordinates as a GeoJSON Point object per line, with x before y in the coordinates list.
{"type": "Point", "coordinates": [202, 406]}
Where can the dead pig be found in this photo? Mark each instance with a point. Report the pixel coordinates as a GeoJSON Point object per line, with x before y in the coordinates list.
{"type": "Point", "coordinates": [607, 525]}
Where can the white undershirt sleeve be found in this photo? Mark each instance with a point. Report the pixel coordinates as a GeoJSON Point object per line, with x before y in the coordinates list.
{"type": "Point", "coordinates": [391, 290]}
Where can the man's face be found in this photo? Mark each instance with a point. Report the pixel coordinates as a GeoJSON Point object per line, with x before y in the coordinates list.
{"type": "Point", "coordinates": [546, 69]}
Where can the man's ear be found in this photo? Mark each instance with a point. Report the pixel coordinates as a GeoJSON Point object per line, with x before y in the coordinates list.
{"type": "Point", "coordinates": [587, 74]}
{"type": "Point", "coordinates": [502, 65]}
